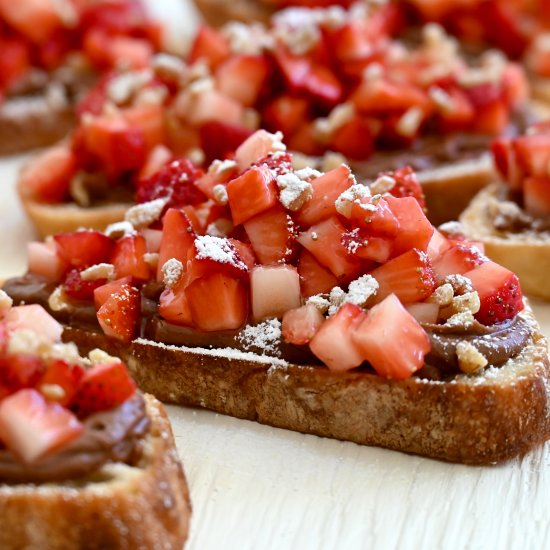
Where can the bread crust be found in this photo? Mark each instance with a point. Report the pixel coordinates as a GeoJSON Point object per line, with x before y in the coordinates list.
{"type": "Point", "coordinates": [473, 420]}
{"type": "Point", "coordinates": [218, 12]}
{"type": "Point", "coordinates": [527, 255]}
{"type": "Point", "coordinates": [143, 506]}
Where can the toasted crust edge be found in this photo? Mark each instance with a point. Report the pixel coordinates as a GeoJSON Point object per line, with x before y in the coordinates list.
{"type": "Point", "coordinates": [468, 420]}
{"type": "Point", "coordinates": [218, 12]}
{"type": "Point", "coordinates": [529, 258]}
{"type": "Point", "coordinates": [142, 506]}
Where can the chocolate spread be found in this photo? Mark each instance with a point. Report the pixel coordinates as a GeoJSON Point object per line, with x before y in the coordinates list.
{"type": "Point", "coordinates": [108, 436]}
{"type": "Point", "coordinates": [497, 343]}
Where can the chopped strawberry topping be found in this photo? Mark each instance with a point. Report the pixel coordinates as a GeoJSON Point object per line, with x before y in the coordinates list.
{"type": "Point", "coordinates": [407, 185]}
{"type": "Point", "coordinates": [83, 249]}
{"type": "Point", "coordinates": [77, 288]}
{"type": "Point", "coordinates": [300, 325]}
{"type": "Point", "coordinates": [119, 315]}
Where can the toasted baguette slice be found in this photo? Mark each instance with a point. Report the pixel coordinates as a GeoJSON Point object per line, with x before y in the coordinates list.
{"type": "Point", "coordinates": [472, 419]}
{"type": "Point", "coordinates": [145, 505]}
{"type": "Point", "coordinates": [218, 12]}
{"type": "Point", "coordinates": [526, 254]}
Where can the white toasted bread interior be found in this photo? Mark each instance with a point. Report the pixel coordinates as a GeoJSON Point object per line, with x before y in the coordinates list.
{"type": "Point", "coordinates": [143, 505]}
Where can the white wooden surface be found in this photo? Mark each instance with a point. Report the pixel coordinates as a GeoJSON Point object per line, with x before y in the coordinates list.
{"type": "Point", "coordinates": [255, 487]}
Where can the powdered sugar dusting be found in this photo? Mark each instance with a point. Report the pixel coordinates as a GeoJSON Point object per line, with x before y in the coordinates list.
{"type": "Point", "coordinates": [219, 250]}
{"type": "Point", "coordinates": [264, 337]}
{"type": "Point", "coordinates": [294, 192]}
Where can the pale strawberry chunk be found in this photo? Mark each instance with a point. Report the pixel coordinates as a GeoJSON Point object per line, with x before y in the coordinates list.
{"type": "Point", "coordinates": [499, 293]}
{"type": "Point", "coordinates": [36, 318]}
{"type": "Point", "coordinates": [536, 196]}
{"type": "Point", "coordinates": [325, 242]}
{"type": "Point", "coordinates": [437, 246]}
{"type": "Point", "coordinates": [391, 340]}
{"type": "Point", "coordinates": [251, 193]}
{"type": "Point", "coordinates": [258, 146]}
{"type": "Point", "coordinates": [43, 260]}
{"type": "Point", "coordinates": [32, 428]}
{"type": "Point", "coordinates": [409, 276]}
{"type": "Point", "coordinates": [153, 238]}
{"type": "Point", "coordinates": [301, 324]}
{"type": "Point", "coordinates": [274, 290]}
{"type": "Point", "coordinates": [457, 259]}
{"type": "Point", "coordinates": [156, 159]}
{"type": "Point", "coordinates": [314, 278]}
{"type": "Point", "coordinates": [271, 235]}
{"type": "Point", "coordinates": [326, 189]}
{"type": "Point", "coordinates": [210, 46]}
{"type": "Point", "coordinates": [333, 343]}
{"type": "Point", "coordinates": [208, 106]}
{"type": "Point", "coordinates": [423, 312]}
{"type": "Point", "coordinates": [415, 230]}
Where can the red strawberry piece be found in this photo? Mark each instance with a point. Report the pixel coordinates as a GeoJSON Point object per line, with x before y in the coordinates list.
{"type": "Point", "coordinates": [102, 388]}
{"type": "Point", "coordinates": [37, 21]}
{"type": "Point", "coordinates": [300, 325]}
{"type": "Point", "coordinates": [360, 243]}
{"type": "Point", "coordinates": [324, 241]}
{"type": "Point", "coordinates": [243, 77]}
{"type": "Point", "coordinates": [48, 176]}
{"type": "Point", "coordinates": [294, 68]}
{"type": "Point", "coordinates": [220, 140]}
{"type": "Point", "coordinates": [415, 230]}
{"type": "Point", "coordinates": [32, 428]}
{"type": "Point", "coordinates": [314, 278]}
{"type": "Point", "coordinates": [460, 111]}
{"type": "Point", "coordinates": [94, 100]}
{"type": "Point", "coordinates": [20, 371]}
{"type": "Point", "coordinates": [245, 251]}
{"type": "Point", "coordinates": [209, 45]}
{"type": "Point", "coordinates": [407, 185]}
{"type": "Point", "coordinates": [104, 292]}
{"type": "Point", "coordinates": [63, 375]}
{"type": "Point", "coordinates": [391, 340]}
{"type": "Point", "coordinates": [354, 139]}
{"type": "Point", "coordinates": [83, 249]}
{"type": "Point", "coordinates": [333, 343]}
{"type": "Point", "coordinates": [272, 235]}
{"type": "Point", "coordinates": [173, 305]}
{"type": "Point", "coordinates": [375, 216]}
{"type": "Point", "coordinates": [536, 196]}
{"type": "Point", "coordinates": [148, 119]}
{"type": "Point", "coordinates": [305, 139]}
{"type": "Point", "coordinates": [323, 86]}
{"type": "Point", "coordinates": [278, 164]}
{"type": "Point", "coordinates": [251, 193]}
{"type": "Point", "coordinates": [326, 189]}
{"type": "Point", "coordinates": [217, 302]}
{"type": "Point", "coordinates": [119, 315]}
{"type": "Point", "coordinates": [532, 154]}
{"type": "Point", "coordinates": [286, 113]}
{"type": "Point", "coordinates": [492, 119]}
{"type": "Point", "coordinates": [177, 238]}
{"type": "Point", "coordinates": [505, 159]}
{"type": "Point", "coordinates": [174, 181]}
{"type": "Point", "coordinates": [156, 159]}
{"type": "Point", "coordinates": [458, 259]}
{"type": "Point", "coordinates": [438, 245]}
{"type": "Point", "coordinates": [499, 293]}
{"type": "Point", "coordinates": [14, 60]}
{"type": "Point", "coordinates": [409, 276]}
{"type": "Point", "coordinates": [78, 289]}
{"type": "Point", "coordinates": [128, 258]}
{"type": "Point", "coordinates": [424, 312]}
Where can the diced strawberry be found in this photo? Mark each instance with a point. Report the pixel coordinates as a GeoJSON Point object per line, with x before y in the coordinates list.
{"type": "Point", "coordinates": [360, 243]}
{"type": "Point", "coordinates": [499, 293]}
{"type": "Point", "coordinates": [243, 77]}
{"type": "Point", "coordinates": [217, 302]}
{"type": "Point", "coordinates": [14, 60]}
{"type": "Point", "coordinates": [257, 147]}
{"type": "Point", "coordinates": [536, 196]}
{"type": "Point", "coordinates": [314, 278]}
{"type": "Point", "coordinates": [157, 158]}
{"type": "Point", "coordinates": [438, 245]}
{"type": "Point", "coordinates": [457, 113]}
{"type": "Point", "coordinates": [63, 375]}
{"type": "Point", "coordinates": [326, 189]}
{"type": "Point", "coordinates": [32, 428]}
{"type": "Point", "coordinates": [104, 292]}
{"type": "Point", "coordinates": [48, 176]}
{"type": "Point", "coordinates": [280, 163]}
{"type": "Point", "coordinates": [492, 120]}
{"type": "Point", "coordinates": [374, 215]}
{"type": "Point", "coordinates": [220, 140]}
{"type": "Point", "coordinates": [415, 230]}
{"type": "Point", "coordinates": [407, 185]}
{"type": "Point", "coordinates": [174, 181]}
{"type": "Point", "coordinates": [209, 45]}
{"type": "Point", "coordinates": [409, 276]}
{"type": "Point", "coordinates": [149, 120]}
{"type": "Point", "coordinates": [300, 325]}
{"type": "Point", "coordinates": [102, 388]}
{"type": "Point", "coordinates": [251, 193]}
{"type": "Point", "coordinates": [333, 343]}
{"type": "Point", "coordinates": [274, 290]}
{"type": "Point", "coordinates": [77, 288]}
{"type": "Point", "coordinates": [324, 241]}
{"type": "Point", "coordinates": [128, 258]}
{"type": "Point", "coordinates": [323, 86]}
{"type": "Point", "coordinates": [33, 317]}
{"type": "Point", "coordinates": [126, 51]}
{"type": "Point", "coordinates": [120, 314]}
{"type": "Point", "coordinates": [43, 260]}
{"type": "Point", "coordinates": [245, 252]}
{"type": "Point", "coordinates": [173, 304]}
{"type": "Point", "coordinates": [208, 106]}
{"type": "Point", "coordinates": [152, 238]}
{"type": "Point", "coordinates": [305, 140]}
{"type": "Point", "coordinates": [458, 259]}
{"type": "Point", "coordinates": [391, 340]}
{"type": "Point", "coordinates": [294, 68]}
{"type": "Point", "coordinates": [354, 139]}
{"type": "Point", "coordinates": [424, 312]}
{"type": "Point", "coordinates": [20, 371]}
{"type": "Point", "coordinates": [36, 19]}
{"type": "Point", "coordinates": [532, 153]}
{"type": "Point", "coordinates": [286, 113]}
{"type": "Point", "coordinates": [83, 249]}
{"type": "Point", "coordinates": [271, 235]}
{"type": "Point", "coordinates": [516, 85]}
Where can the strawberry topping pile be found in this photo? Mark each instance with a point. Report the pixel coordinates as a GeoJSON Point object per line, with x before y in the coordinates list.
{"type": "Point", "coordinates": [42, 34]}
{"type": "Point", "coordinates": [333, 81]}
{"type": "Point", "coordinates": [354, 272]}
{"type": "Point", "coordinates": [46, 389]}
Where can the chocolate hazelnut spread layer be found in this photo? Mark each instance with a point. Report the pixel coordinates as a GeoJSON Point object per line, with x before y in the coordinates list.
{"type": "Point", "coordinates": [108, 436]}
